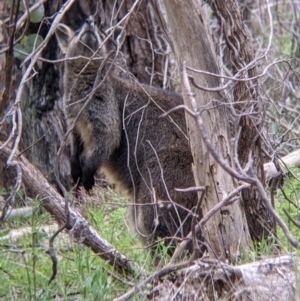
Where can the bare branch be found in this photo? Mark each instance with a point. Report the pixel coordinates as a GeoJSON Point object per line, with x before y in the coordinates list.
{"type": "Point", "coordinates": [296, 223]}
{"type": "Point", "coordinates": [225, 202]}
{"type": "Point", "coordinates": [251, 178]}
{"type": "Point", "coordinates": [36, 184]}
{"type": "Point", "coordinates": [162, 272]}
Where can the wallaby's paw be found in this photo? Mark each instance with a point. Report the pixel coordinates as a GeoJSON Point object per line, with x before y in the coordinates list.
{"type": "Point", "coordinates": [88, 181]}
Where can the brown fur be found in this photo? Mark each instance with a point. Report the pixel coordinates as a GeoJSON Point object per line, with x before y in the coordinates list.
{"type": "Point", "coordinates": [120, 131]}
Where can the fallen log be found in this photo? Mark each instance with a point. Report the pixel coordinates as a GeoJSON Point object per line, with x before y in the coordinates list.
{"type": "Point", "coordinates": [290, 160]}
{"type": "Point", "coordinates": [11, 213]}
{"type": "Point", "coordinates": [79, 229]}
{"type": "Point", "coordinates": [273, 279]}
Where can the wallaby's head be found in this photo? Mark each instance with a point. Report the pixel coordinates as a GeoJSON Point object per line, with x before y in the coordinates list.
{"type": "Point", "coordinates": [84, 42]}
{"type": "Point", "coordinates": [88, 39]}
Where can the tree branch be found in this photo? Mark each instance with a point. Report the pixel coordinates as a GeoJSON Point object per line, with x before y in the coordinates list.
{"type": "Point", "coordinates": [53, 203]}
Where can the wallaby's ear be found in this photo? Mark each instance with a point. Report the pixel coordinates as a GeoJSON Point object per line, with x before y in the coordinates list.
{"type": "Point", "coordinates": [121, 35]}
{"type": "Point", "coordinates": [64, 34]}
{"type": "Point", "coordinates": [118, 37]}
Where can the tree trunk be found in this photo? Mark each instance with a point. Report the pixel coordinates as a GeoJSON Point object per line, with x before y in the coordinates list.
{"type": "Point", "coordinates": [247, 121]}
{"type": "Point", "coordinates": [43, 120]}
{"type": "Point", "coordinates": [226, 232]}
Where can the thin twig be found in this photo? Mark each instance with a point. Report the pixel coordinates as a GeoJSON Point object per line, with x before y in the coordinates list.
{"type": "Point", "coordinates": [296, 223]}
{"type": "Point", "coordinates": [162, 272]}
{"type": "Point", "coordinates": [51, 250]}
{"type": "Point", "coordinates": [288, 199]}
{"type": "Point", "coordinates": [190, 189]}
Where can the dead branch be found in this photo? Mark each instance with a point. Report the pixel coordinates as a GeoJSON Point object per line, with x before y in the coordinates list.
{"type": "Point", "coordinates": [272, 211]}
{"type": "Point", "coordinates": [81, 231]}
{"type": "Point", "coordinates": [15, 133]}
{"type": "Point", "coordinates": [269, 279]}
{"type": "Point", "coordinates": [225, 202]}
{"type": "Point", "coordinates": [247, 175]}
{"type": "Point", "coordinates": [12, 213]}
{"type": "Point", "coordinates": [288, 198]}
{"type": "Point", "coordinates": [14, 235]}
{"type": "Point", "coordinates": [290, 160]}
{"type": "Point", "coordinates": [296, 223]}
{"type": "Point", "coordinates": [51, 250]}
{"type": "Point", "coordinates": [162, 272]}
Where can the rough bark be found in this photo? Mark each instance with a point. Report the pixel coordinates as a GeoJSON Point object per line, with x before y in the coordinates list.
{"type": "Point", "coordinates": [227, 231]}
{"type": "Point", "coordinates": [9, 79]}
{"type": "Point", "coordinates": [145, 49]}
{"type": "Point", "coordinates": [248, 110]}
{"type": "Point", "coordinates": [42, 113]}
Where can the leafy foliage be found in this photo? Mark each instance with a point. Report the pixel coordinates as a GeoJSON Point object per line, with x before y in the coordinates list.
{"type": "Point", "coordinates": [37, 15]}
{"type": "Point", "coordinates": [27, 45]}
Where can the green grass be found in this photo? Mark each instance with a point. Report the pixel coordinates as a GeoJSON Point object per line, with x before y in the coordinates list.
{"type": "Point", "coordinates": [25, 268]}
{"type": "Point", "coordinates": [290, 201]}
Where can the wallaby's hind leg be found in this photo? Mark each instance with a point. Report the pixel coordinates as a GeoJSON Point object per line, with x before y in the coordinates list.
{"type": "Point", "coordinates": [149, 221]}
{"type": "Point", "coordinates": [90, 162]}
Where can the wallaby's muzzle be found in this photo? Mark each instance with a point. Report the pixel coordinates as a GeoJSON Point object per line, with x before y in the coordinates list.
{"type": "Point", "coordinates": [89, 34]}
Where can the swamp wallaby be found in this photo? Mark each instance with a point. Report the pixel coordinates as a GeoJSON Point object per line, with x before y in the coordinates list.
{"type": "Point", "coordinates": [116, 126]}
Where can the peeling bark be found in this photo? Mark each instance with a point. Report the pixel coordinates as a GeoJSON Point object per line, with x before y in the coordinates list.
{"type": "Point", "coordinates": [247, 119]}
